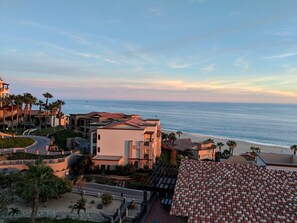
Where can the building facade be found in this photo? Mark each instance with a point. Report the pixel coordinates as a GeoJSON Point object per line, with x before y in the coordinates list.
{"type": "Point", "coordinates": [132, 141]}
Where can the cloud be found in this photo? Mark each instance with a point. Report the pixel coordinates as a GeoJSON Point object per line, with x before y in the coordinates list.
{"type": "Point", "coordinates": [280, 56]}
{"type": "Point", "coordinates": [242, 63]}
{"type": "Point", "coordinates": [233, 13]}
{"type": "Point", "coordinates": [209, 68]}
{"type": "Point", "coordinates": [156, 11]}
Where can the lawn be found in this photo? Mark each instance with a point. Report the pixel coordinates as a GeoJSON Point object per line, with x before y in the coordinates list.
{"type": "Point", "coordinates": [17, 142]}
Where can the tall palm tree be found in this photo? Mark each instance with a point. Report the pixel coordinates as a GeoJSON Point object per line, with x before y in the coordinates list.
{"type": "Point", "coordinates": [19, 105]}
{"type": "Point", "coordinates": [255, 151]}
{"type": "Point", "coordinates": [27, 100]}
{"type": "Point", "coordinates": [47, 95]}
{"type": "Point", "coordinates": [294, 148]}
{"type": "Point", "coordinates": [172, 138]}
{"type": "Point", "coordinates": [214, 151]}
{"type": "Point", "coordinates": [231, 144]}
{"type": "Point", "coordinates": [32, 101]}
{"type": "Point", "coordinates": [5, 103]}
{"type": "Point", "coordinates": [11, 103]}
{"type": "Point", "coordinates": [38, 180]}
{"type": "Point", "coordinates": [220, 145]}
{"type": "Point", "coordinates": [60, 103]}
{"type": "Point", "coordinates": [179, 133]}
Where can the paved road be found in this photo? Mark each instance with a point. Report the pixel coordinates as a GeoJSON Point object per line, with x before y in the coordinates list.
{"type": "Point", "coordinates": [40, 143]}
{"type": "Point", "coordinates": [94, 189]}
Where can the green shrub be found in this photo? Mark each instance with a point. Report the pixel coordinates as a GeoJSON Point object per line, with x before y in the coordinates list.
{"type": "Point", "coordinates": [106, 198]}
{"type": "Point", "coordinates": [61, 137]}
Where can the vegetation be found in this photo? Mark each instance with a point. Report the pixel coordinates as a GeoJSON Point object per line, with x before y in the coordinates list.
{"type": "Point", "coordinates": [231, 144]}
{"type": "Point", "coordinates": [61, 137]}
{"type": "Point", "coordinates": [6, 192]}
{"type": "Point", "coordinates": [40, 184]}
{"type": "Point", "coordinates": [83, 165]}
{"type": "Point", "coordinates": [46, 220]}
{"type": "Point", "coordinates": [16, 142]}
{"type": "Point", "coordinates": [80, 205]}
{"type": "Point", "coordinates": [106, 198]}
{"type": "Point", "coordinates": [179, 133]}
{"type": "Point", "coordinates": [294, 148]}
{"type": "Point", "coordinates": [220, 145]}
{"type": "Point", "coordinates": [255, 151]}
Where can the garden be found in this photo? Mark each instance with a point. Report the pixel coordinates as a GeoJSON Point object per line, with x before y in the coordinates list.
{"type": "Point", "coordinates": [15, 142]}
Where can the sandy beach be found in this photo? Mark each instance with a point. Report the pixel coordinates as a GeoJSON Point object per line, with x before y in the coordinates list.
{"type": "Point", "coordinates": [242, 146]}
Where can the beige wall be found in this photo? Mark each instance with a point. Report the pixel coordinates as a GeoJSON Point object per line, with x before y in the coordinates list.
{"type": "Point", "coordinates": [115, 142]}
{"type": "Point", "coordinates": [205, 154]}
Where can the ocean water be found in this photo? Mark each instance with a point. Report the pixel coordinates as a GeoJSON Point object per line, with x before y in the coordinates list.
{"type": "Point", "coordinates": [269, 124]}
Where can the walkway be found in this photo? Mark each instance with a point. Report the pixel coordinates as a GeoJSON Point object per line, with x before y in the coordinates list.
{"type": "Point", "coordinates": [40, 143]}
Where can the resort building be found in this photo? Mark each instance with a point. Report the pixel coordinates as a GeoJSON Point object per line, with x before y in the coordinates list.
{"type": "Point", "coordinates": [201, 151]}
{"type": "Point", "coordinates": [90, 121]}
{"type": "Point", "coordinates": [225, 192]}
{"type": "Point", "coordinates": [276, 161]}
{"type": "Point", "coordinates": [132, 140]}
{"type": "Point", "coordinates": [4, 92]}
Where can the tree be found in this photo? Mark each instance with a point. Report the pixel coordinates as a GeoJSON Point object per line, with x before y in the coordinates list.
{"type": "Point", "coordinates": [294, 148]}
{"type": "Point", "coordinates": [214, 151]}
{"type": "Point", "coordinates": [5, 103]}
{"type": "Point", "coordinates": [83, 165]}
{"type": "Point", "coordinates": [47, 95]}
{"type": "Point", "coordinates": [255, 151]}
{"type": "Point", "coordinates": [106, 198]}
{"type": "Point", "coordinates": [231, 144]}
{"type": "Point", "coordinates": [38, 183]}
{"type": "Point", "coordinates": [60, 103]}
{"type": "Point", "coordinates": [172, 139]}
{"type": "Point", "coordinates": [164, 137]}
{"type": "Point", "coordinates": [14, 211]}
{"type": "Point", "coordinates": [11, 103]}
{"type": "Point", "coordinates": [80, 205]}
{"type": "Point", "coordinates": [19, 99]}
{"type": "Point", "coordinates": [179, 133]}
{"type": "Point", "coordinates": [220, 145]}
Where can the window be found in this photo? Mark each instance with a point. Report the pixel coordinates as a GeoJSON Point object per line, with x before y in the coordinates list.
{"type": "Point", "coordinates": [98, 137]}
{"type": "Point", "coordinates": [94, 138]}
{"type": "Point", "coordinates": [98, 149]}
{"type": "Point", "coordinates": [108, 167]}
{"type": "Point", "coordinates": [94, 149]}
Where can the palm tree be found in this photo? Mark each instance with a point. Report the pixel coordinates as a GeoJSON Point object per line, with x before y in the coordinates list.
{"type": "Point", "coordinates": [164, 137]}
{"type": "Point", "coordinates": [294, 148]}
{"type": "Point", "coordinates": [172, 138]}
{"type": "Point", "coordinates": [38, 181]}
{"type": "Point", "coordinates": [255, 151]}
{"type": "Point", "coordinates": [80, 205]}
{"type": "Point", "coordinates": [19, 105]}
{"type": "Point", "coordinates": [214, 151]}
{"type": "Point", "coordinates": [231, 144]}
{"type": "Point", "coordinates": [5, 103]}
{"type": "Point", "coordinates": [14, 211]}
{"type": "Point", "coordinates": [11, 103]}
{"type": "Point", "coordinates": [47, 95]}
{"type": "Point", "coordinates": [26, 99]}
{"type": "Point", "coordinates": [220, 145]}
{"type": "Point", "coordinates": [32, 101]}
{"type": "Point", "coordinates": [179, 133]}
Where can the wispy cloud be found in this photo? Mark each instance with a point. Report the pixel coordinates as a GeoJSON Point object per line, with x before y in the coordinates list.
{"type": "Point", "coordinates": [242, 63]}
{"type": "Point", "coordinates": [156, 11]}
{"type": "Point", "coordinates": [209, 68]}
{"type": "Point", "coordinates": [280, 56]}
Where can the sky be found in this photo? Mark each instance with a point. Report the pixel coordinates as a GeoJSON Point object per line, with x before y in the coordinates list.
{"type": "Point", "coordinates": [173, 50]}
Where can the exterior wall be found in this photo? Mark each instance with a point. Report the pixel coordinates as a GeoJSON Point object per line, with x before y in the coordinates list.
{"type": "Point", "coordinates": [115, 142]}
{"type": "Point", "coordinates": [205, 154]}
{"type": "Point", "coordinates": [60, 166]}
{"type": "Point", "coordinates": [285, 168]}
{"type": "Point", "coordinates": [107, 163]}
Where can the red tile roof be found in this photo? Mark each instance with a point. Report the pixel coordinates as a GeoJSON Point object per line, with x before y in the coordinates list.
{"type": "Point", "coordinates": [223, 192]}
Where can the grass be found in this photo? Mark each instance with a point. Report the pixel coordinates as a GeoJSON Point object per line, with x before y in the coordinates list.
{"type": "Point", "coordinates": [17, 131]}
{"type": "Point", "coordinates": [62, 135]}
{"type": "Point", "coordinates": [17, 142]}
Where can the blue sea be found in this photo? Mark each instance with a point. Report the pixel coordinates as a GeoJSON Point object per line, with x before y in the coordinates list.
{"type": "Point", "coordinates": [269, 124]}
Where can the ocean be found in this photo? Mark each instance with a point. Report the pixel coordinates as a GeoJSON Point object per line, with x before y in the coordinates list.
{"type": "Point", "coordinates": [267, 124]}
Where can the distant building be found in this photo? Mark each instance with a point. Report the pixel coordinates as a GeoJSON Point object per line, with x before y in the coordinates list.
{"type": "Point", "coordinates": [4, 92]}
{"type": "Point", "coordinates": [132, 140]}
{"type": "Point", "coordinates": [90, 121]}
{"type": "Point", "coordinates": [277, 161]}
{"type": "Point", "coordinates": [224, 192]}
{"type": "Point", "coordinates": [201, 151]}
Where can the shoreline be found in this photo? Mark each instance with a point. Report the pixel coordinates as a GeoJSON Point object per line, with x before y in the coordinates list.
{"type": "Point", "coordinates": [242, 146]}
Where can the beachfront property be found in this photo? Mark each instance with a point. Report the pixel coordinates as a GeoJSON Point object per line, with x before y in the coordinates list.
{"type": "Point", "coordinates": [4, 92]}
{"type": "Point", "coordinates": [201, 150]}
{"type": "Point", "coordinates": [224, 192]}
{"type": "Point", "coordinates": [90, 121]}
{"type": "Point", "coordinates": [276, 161]}
{"type": "Point", "coordinates": [130, 141]}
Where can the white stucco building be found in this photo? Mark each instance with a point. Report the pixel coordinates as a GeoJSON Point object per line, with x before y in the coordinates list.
{"type": "Point", "coordinates": [134, 141]}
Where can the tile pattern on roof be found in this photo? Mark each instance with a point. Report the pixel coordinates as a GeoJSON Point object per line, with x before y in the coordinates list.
{"type": "Point", "coordinates": [223, 192]}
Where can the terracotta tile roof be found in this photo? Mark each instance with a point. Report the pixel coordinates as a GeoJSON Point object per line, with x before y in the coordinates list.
{"type": "Point", "coordinates": [223, 192]}
{"type": "Point", "coordinates": [183, 144]}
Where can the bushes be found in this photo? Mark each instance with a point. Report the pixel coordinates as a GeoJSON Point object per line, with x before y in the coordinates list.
{"type": "Point", "coordinates": [106, 198]}
{"type": "Point", "coordinates": [29, 156]}
{"type": "Point", "coordinates": [17, 142]}
{"type": "Point", "coordinates": [61, 137]}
